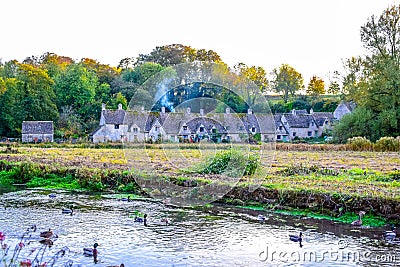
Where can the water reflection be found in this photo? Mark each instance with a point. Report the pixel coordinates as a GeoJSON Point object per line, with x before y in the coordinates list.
{"type": "Point", "coordinates": [218, 236]}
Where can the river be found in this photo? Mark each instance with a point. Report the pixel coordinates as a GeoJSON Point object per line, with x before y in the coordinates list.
{"type": "Point", "coordinates": [212, 236]}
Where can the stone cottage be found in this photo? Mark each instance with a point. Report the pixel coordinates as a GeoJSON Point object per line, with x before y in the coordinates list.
{"type": "Point", "coordinates": [37, 131]}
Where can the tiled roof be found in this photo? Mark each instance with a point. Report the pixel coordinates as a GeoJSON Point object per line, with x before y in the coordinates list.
{"type": "Point", "coordinates": [37, 127]}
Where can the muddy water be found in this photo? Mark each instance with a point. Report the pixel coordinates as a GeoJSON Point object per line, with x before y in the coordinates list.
{"type": "Point", "coordinates": [217, 236]}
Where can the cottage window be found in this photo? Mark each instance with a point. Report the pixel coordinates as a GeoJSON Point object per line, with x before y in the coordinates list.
{"type": "Point", "coordinates": [294, 133]}
{"type": "Point", "coordinates": [326, 122]}
{"type": "Point", "coordinates": [253, 129]}
{"type": "Point", "coordinates": [280, 128]}
{"type": "Point", "coordinates": [227, 128]}
{"type": "Point", "coordinates": [309, 133]}
{"type": "Point", "coordinates": [312, 123]}
{"type": "Point", "coordinates": [185, 128]}
{"type": "Point", "coordinates": [116, 126]}
{"type": "Point", "coordinates": [157, 128]}
{"type": "Point", "coordinates": [241, 128]}
{"type": "Point", "coordinates": [214, 130]}
{"type": "Point", "coordinates": [202, 129]}
{"type": "Point", "coordinates": [135, 130]}
{"type": "Point", "coordinates": [278, 137]}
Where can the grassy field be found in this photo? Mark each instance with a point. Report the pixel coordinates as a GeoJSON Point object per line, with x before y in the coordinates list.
{"type": "Point", "coordinates": [363, 174]}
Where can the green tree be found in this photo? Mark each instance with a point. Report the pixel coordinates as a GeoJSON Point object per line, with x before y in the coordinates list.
{"type": "Point", "coordinates": [373, 80]}
{"type": "Point", "coordinates": [76, 87]}
{"type": "Point", "coordinates": [38, 94]}
{"type": "Point", "coordinates": [286, 80]}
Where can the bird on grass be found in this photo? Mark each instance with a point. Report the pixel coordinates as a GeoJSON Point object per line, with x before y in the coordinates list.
{"type": "Point", "coordinates": [390, 235]}
{"type": "Point", "coordinates": [358, 222]}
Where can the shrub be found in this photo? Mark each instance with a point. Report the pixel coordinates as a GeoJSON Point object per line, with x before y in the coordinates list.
{"type": "Point", "coordinates": [387, 144]}
{"type": "Point", "coordinates": [359, 143]}
{"type": "Point", "coordinates": [231, 162]}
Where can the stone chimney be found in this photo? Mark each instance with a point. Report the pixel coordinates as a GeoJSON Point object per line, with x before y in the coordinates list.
{"type": "Point", "coordinates": [311, 111]}
{"type": "Point", "coordinates": [119, 106]}
{"type": "Point", "coordinates": [249, 111]}
{"type": "Point", "coordinates": [293, 111]}
{"type": "Point", "coordinates": [188, 110]}
{"type": "Point", "coordinates": [201, 112]}
{"type": "Point", "coordinates": [163, 110]}
{"type": "Point", "coordinates": [227, 110]}
{"type": "Point", "coordinates": [103, 106]}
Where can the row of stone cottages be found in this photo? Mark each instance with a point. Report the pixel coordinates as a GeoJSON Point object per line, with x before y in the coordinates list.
{"type": "Point", "coordinates": [139, 126]}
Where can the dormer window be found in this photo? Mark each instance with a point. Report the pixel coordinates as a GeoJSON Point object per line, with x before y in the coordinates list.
{"type": "Point", "coordinates": [135, 130]}
{"type": "Point", "coordinates": [253, 129]}
{"type": "Point", "coordinates": [202, 129]}
{"type": "Point", "coordinates": [116, 126]}
{"type": "Point", "coordinates": [241, 128]}
{"type": "Point", "coordinates": [312, 123]}
{"type": "Point", "coordinates": [280, 128]}
{"type": "Point", "coordinates": [157, 128]}
{"type": "Point", "coordinates": [185, 128]}
{"type": "Point", "coordinates": [214, 130]}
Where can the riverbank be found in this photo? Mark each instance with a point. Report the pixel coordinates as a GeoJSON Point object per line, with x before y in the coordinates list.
{"type": "Point", "coordinates": [321, 182]}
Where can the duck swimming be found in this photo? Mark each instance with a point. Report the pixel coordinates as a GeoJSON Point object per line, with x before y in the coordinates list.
{"type": "Point", "coordinates": [126, 199]}
{"type": "Point", "coordinates": [46, 234]}
{"type": "Point", "coordinates": [359, 221]}
{"type": "Point", "coordinates": [143, 220]}
{"type": "Point", "coordinates": [90, 251]}
{"type": "Point", "coordinates": [390, 235]}
{"type": "Point", "coordinates": [296, 238]}
{"type": "Point", "coordinates": [67, 211]}
{"type": "Point", "coordinates": [261, 218]}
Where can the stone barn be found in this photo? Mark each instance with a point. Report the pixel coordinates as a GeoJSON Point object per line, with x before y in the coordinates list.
{"type": "Point", "coordinates": [37, 131]}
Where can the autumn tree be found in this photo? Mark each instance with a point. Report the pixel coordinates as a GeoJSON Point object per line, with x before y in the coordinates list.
{"type": "Point", "coordinates": [258, 76]}
{"type": "Point", "coordinates": [174, 54]}
{"type": "Point", "coordinates": [286, 80]}
{"type": "Point", "coordinates": [316, 86]}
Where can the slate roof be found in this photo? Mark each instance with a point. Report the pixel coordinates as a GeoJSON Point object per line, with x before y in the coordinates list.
{"type": "Point", "coordinates": [37, 127]}
{"type": "Point", "coordinates": [298, 121]}
{"type": "Point", "coordinates": [320, 117]}
{"type": "Point", "coordinates": [114, 116]}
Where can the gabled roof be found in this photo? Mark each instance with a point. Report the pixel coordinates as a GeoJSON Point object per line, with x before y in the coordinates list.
{"type": "Point", "coordinates": [298, 121]}
{"type": "Point", "coordinates": [114, 116]}
{"type": "Point", "coordinates": [321, 117]}
{"type": "Point", "coordinates": [208, 124]}
{"type": "Point", "coordinates": [37, 127]}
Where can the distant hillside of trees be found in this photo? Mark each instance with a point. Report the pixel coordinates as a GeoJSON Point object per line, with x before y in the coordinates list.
{"type": "Point", "coordinates": [70, 93]}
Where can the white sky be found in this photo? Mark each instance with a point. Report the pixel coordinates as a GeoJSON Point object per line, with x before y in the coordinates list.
{"type": "Point", "coordinates": [313, 36]}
